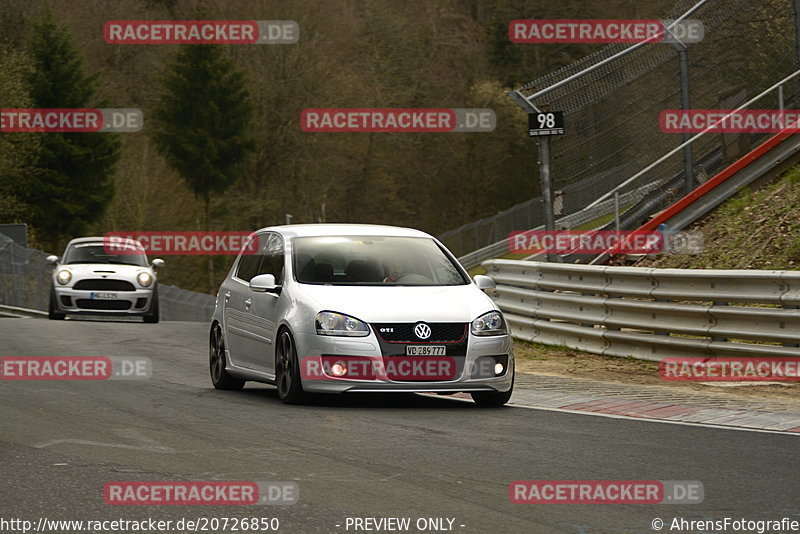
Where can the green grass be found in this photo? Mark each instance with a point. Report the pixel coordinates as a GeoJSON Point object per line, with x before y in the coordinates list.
{"type": "Point", "coordinates": [600, 221]}
{"type": "Point", "coordinates": [753, 230]}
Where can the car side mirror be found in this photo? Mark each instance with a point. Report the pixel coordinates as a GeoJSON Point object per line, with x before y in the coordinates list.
{"type": "Point", "coordinates": [158, 263]}
{"type": "Point", "coordinates": [264, 283]}
{"type": "Point", "coordinates": [484, 282]}
{"type": "Point", "coordinates": [52, 260]}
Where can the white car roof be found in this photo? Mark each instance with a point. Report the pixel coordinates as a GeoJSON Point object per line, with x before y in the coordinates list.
{"type": "Point", "coordinates": [100, 239]}
{"type": "Point", "coordinates": [86, 240]}
{"type": "Point", "coordinates": [313, 230]}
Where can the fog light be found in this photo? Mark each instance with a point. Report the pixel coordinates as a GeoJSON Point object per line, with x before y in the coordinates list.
{"type": "Point", "coordinates": [498, 368]}
{"type": "Point", "coordinates": [338, 369]}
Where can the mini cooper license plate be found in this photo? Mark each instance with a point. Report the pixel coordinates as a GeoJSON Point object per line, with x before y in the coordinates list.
{"type": "Point", "coordinates": [425, 350]}
{"type": "Point", "coordinates": [103, 296]}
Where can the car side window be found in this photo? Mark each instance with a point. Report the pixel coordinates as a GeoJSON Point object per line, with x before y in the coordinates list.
{"type": "Point", "coordinates": [250, 262]}
{"type": "Point", "coordinates": [273, 258]}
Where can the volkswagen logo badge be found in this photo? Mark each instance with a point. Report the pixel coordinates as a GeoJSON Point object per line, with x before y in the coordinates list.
{"type": "Point", "coordinates": [422, 330]}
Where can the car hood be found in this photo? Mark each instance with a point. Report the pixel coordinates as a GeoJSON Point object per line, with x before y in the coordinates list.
{"type": "Point", "coordinates": [103, 270]}
{"type": "Point", "coordinates": [384, 304]}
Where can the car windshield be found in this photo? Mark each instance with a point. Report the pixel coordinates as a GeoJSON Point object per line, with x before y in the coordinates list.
{"type": "Point", "coordinates": [101, 253]}
{"type": "Point", "coordinates": [370, 260]}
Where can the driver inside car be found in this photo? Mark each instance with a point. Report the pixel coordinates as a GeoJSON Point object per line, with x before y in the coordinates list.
{"type": "Point", "coordinates": [395, 269]}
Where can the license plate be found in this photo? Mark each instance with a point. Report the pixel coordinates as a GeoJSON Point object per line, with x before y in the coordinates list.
{"type": "Point", "coordinates": [425, 350]}
{"type": "Point", "coordinates": [103, 296]}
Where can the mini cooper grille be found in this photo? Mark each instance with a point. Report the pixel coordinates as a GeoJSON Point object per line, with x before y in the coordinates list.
{"type": "Point", "coordinates": [100, 284]}
{"type": "Point", "coordinates": [93, 304]}
{"type": "Point", "coordinates": [404, 332]}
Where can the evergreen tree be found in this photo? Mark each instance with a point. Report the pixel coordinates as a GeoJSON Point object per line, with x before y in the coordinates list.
{"type": "Point", "coordinates": [202, 124]}
{"type": "Point", "coordinates": [72, 183]}
{"type": "Point", "coordinates": [18, 151]}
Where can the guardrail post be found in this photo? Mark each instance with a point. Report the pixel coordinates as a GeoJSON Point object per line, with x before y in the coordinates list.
{"type": "Point", "coordinates": [659, 332]}
{"type": "Point", "coordinates": [792, 307]}
{"type": "Point", "coordinates": [608, 313]}
{"type": "Point", "coordinates": [719, 338]}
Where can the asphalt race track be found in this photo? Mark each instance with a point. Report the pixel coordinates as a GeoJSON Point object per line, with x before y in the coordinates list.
{"type": "Point", "coordinates": [351, 456]}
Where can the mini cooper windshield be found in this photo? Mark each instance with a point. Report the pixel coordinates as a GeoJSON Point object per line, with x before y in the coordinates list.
{"type": "Point", "coordinates": [368, 260]}
{"type": "Point", "coordinates": [100, 253]}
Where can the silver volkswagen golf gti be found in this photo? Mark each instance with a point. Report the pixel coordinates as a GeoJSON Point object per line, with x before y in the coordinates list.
{"type": "Point", "coordinates": [333, 308]}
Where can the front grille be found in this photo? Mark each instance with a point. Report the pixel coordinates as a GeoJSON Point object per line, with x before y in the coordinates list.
{"type": "Point", "coordinates": [101, 284]}
{"type": "Point", "coordinates": [404, 332]}
{"type": "Point", "coordinates": [93, 304]}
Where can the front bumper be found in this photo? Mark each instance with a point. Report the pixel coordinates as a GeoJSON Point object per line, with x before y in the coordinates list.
{"type": "Point", "coordinates": [76, 302]}
{"type": "Point", "coordinates": [470, 375]}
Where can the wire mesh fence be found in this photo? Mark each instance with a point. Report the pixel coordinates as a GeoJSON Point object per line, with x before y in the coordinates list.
{"type": "Point", "coordinates": [26, 278]}
{"type": "Point", "coordinates": [612, 113]}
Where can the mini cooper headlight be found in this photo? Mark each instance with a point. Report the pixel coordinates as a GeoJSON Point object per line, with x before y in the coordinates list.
{"type": "Point", "coordinates": [337, 324]}
{"type": "Point", "coordinates": [144, 279]}
{"type": "Point", "coordinates": [63, 277]}
{"type": "Point", "coordinates": [489, 324]}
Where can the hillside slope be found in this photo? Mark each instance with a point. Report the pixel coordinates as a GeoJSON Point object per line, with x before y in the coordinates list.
{"type": "Point", "coordinates": [754, 230]}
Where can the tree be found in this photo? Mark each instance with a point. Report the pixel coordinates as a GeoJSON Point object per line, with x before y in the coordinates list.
{"type": "Point", "coordinates": [71, 184]}
{"type": "Point", "coordinates": [18, 151]}
{"type": "Point", "coordinates": [202, 124]}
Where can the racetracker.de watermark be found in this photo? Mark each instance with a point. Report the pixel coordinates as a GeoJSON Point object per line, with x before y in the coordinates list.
{"type": "Point", "coordinates": [397, 368]}
{"type": "Point", "coordinates": [730, 369]}
{"type": "Point", "coordinates": [729, 120]}
{"type": "Point", "coordinates": [396, 120]}
{"type": "Point", "coordinates": [70, 120]}
{"type": "Point", "coordinates": [580, 242]}
{"type": "Point", "coordinates": [180, 243]}
{"type": "Point", "coordinates": [606, 492]}
{"type": "Point", "coordinates": [605, 242]}
{"type": "Point", "coordinates": [201, 32]}
{"type": "Point", "coordinates": [234, 493]}
{"type": "Point", "coordinates": [531, 31]}
{"type": "Point", "coordinates": [75, 368]}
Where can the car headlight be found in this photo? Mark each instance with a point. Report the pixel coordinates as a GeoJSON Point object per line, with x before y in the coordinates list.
{"type": "Point", "coordinates": [489, 324]}
{"type": "Point", "coordinates": [337, 324]}
{"type": "Point", "coordinates": [144, 279]}
{"type": "Point", "coordinates": [63, 277]}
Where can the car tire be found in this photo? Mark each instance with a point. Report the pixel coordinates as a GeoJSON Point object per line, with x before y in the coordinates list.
{"type": "Point", "coordinates": [493, 399]}
{"type": "Point", "coordinates": [52, 309]}
{"type": "Point", "coordinates": [152, 315]}
{"type": "Point", "coordinates": [216, 363]}
{"type": "Point", "coordinates": [287, 371]}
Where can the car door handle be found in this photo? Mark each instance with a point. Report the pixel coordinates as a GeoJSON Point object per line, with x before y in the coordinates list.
{"type": "Point", "coordinates": [247, 303]}
{"type": "Point", "coordinates": [227, 296]}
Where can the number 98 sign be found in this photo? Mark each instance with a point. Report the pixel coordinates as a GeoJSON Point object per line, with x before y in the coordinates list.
{"type": "Point", "coordinates": [547, 123]}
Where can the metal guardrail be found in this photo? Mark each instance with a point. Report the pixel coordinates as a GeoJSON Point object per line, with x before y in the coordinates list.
{"type": "Point", "coordinates": [649, 313]}
{"type": "Point", "coordinates": [178, 304]}
{"type": "Point", "coordinates": [15, 311]}
{"type": "Point", "coordinates": [774, 162]}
